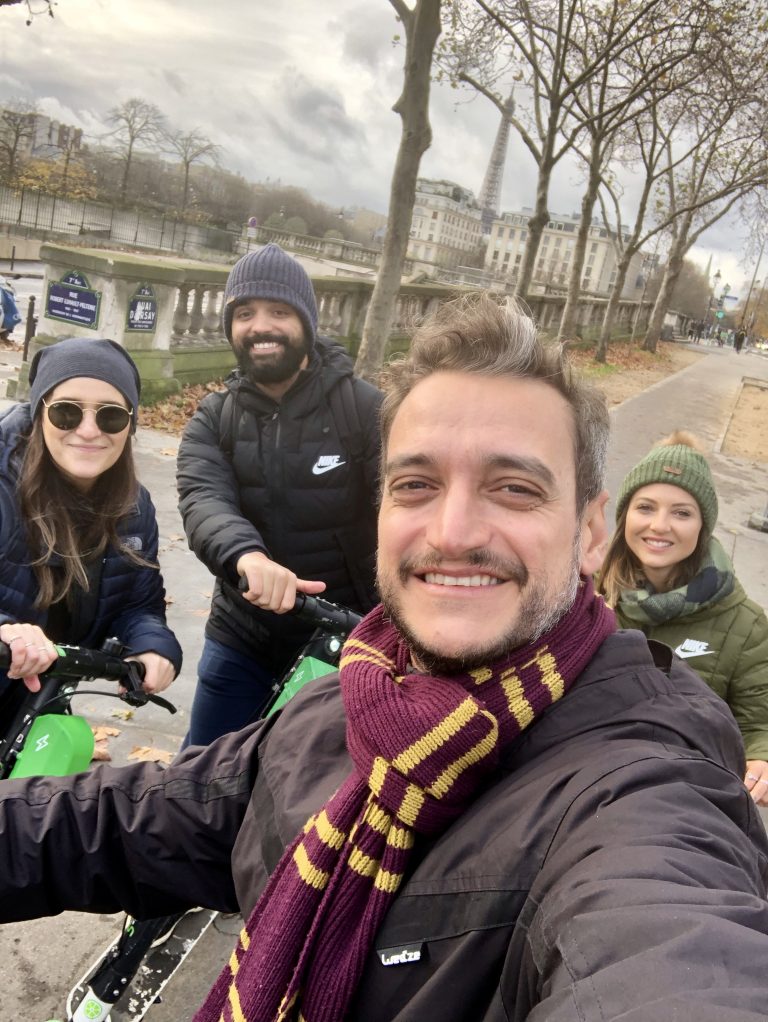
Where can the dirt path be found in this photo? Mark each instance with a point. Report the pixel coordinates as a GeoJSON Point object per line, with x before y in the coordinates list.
{"type": "Point", "coordinates": [747, 435]}
{"type": "Point", "coordinates": [631, 371]}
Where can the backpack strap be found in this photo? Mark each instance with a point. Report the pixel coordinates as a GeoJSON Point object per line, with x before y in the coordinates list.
{"type": "Point", "coordinates": [227, 425]}
{"type": "Point", "coordinates": [346, 416]}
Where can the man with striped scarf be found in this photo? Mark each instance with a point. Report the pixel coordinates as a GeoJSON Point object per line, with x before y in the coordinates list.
{"type": "Point", "coordinates": [501, 808]}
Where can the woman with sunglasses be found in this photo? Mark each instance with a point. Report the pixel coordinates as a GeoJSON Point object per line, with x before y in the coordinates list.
{"type": "Point", "coordinates": [667, 575]}
{"type": "Point", "coordinates": [78, 534]}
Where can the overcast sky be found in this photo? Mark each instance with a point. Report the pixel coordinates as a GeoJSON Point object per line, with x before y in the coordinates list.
{"type": "Point", "coordinates": [295, 90]}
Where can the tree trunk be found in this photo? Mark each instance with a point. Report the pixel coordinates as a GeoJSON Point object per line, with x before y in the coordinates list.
{"type": "Point", "coordinates": [567, 330]}
{"type": "Point", "coordinates": [671, 273]}
{"type": "Point", "coordinates": [185, 193]}
{"type": "Point", "coordinates": [422, 28]}
{"type": "Point", "coordinates": [536, 224]}
{"type": "Point", "coordinates": [126, 171]}
{"type": "Point", "coordinates": [622, 269]}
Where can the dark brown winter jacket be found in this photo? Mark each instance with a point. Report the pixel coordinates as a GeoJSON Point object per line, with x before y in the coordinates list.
{"type": "Point", "coordinates": [615, 867]}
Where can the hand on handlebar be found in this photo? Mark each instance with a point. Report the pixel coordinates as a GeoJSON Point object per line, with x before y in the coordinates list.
{"type": "Point", "coordinates": [270, 585]}
{"type": "Point", "coordinates": [158, 672]}
{"type": "Point", "coordinates": [32, 652]}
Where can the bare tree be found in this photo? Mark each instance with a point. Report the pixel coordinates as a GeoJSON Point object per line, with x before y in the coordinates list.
{"type": "Point", "coordinates": [137, 123]}
{"type": "Point", "coordinates": [655, 57]}
{"type": "Point", "coordinates": [421, 24]}
{"type": "Point", "coordinates": [702, 190]}
{"type": "Point", "coordinates": [47, 8]}
{"type": "Point", "coordinates": [17, 129]}
{"type": "Point", "coordinates": [191, 147]}
{"type": "Point", "coordinates": [648, 146]}
{"type": "Point", "coordinates": [541, 43]}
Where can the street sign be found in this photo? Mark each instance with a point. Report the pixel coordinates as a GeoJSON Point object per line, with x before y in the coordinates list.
{"type": "Point", "coordinates": [72, 300]}
{"type": "Point", "coordinates": [719, 313]}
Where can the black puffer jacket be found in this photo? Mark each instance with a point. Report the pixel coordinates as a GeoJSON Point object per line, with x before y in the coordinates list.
{"type": "Point", "coordinates": [614, 868]}
{"type": "Point", "coordinates": [283, 478]}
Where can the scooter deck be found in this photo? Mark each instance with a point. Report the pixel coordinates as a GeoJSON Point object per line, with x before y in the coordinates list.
{"type": "Point", "coordinates": [156, 970]}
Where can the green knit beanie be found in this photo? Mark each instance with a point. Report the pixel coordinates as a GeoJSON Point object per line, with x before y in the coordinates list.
{"type": "Point", "coordinates": [678, 464]}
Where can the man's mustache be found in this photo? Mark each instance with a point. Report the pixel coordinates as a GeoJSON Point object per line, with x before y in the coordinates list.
{"type": "Point", "coordinates": [511, 570]}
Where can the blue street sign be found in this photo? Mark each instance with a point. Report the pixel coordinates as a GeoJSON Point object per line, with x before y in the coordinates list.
{"type": "Point", "coordinates": [72, 300]}
{"type": "Point", "coordinates": [142, 309]}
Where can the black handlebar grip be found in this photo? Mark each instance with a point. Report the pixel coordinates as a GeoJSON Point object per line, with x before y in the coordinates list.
{"type": "Point", "coordinates": [320, 613]}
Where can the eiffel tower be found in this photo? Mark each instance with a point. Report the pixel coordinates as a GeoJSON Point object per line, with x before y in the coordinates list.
{"type": "Point", "coordinates": [490, 193]}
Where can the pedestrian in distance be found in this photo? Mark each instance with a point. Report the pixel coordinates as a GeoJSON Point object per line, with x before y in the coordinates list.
{"type": "Point", "coordinates": [277, 481]}
{"type": "Point", "coordinates": [739, 338]}
{"type": "Point", "coordinates": [502, 807]}
{"type": "Point", "coordinates": [78, 535]}
{"type": "Point", "coordinates": [666, 574]}
{"type": "Point", "coordinates": [9, 310]}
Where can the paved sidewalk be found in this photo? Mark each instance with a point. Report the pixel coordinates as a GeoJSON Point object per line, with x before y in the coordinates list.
{"type": "Point", "coordinates": [699, 398]}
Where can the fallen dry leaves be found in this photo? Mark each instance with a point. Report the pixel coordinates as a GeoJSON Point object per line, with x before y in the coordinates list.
{"type": "Point", "coordinates": [101, 736]}
{"type": "Point", "coordinates": [623, 356]}
{"type": "Point", "coordinates": [172, 415]}
{"type": "Point", "coordinates": [103, 731]}
{"type": "Point", "coordinates": [123, 713]}
{"type": "Point", "coordinates": [148, 754]}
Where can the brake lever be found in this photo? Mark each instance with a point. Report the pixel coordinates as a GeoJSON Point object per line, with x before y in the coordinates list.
{"type": "Point", "coordinates": [135, 695]}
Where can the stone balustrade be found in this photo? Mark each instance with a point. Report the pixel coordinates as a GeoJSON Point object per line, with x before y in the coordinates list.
{"type": "Point", "coordinates": [167, 311]}
{"type": "Point", "coordinates": [350, 252]}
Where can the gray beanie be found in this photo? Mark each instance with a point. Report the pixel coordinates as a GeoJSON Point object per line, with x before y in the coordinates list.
{"type": "Point", "coordinates": [82, 356]}
{"type": "Point", "coordinates": [275, 276]}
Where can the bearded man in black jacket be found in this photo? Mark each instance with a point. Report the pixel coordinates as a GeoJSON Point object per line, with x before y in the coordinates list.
{"type": "Point", "coordinates": [277, 481]}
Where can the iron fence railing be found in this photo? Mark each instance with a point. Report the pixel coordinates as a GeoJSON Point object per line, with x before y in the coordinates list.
{"type": "Point", "coordinates": [41, 211]}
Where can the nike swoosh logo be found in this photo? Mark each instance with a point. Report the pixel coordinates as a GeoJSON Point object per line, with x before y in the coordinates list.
{"type": "Point", "coordinates": [318, 470]}
{"type": "Point", "coordinates": [684, 655]}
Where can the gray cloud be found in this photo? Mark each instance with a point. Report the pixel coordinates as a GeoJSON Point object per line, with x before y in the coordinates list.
{"type": "Point", "coordinates": [368, 36]}
{"type": "Point", "coordinates": [229, 70]}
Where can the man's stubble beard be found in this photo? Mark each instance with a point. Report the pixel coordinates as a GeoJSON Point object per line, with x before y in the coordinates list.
{"type": "Point", "coordinates": [538, 612]}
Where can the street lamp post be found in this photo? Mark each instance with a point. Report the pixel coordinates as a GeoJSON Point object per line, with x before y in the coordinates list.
{"type": "Point", "coordinates": [748, 323]}
{"type": "Point", "coordinates": [715, 282]}
{"type": "Point", "coordinates": [752, 285]}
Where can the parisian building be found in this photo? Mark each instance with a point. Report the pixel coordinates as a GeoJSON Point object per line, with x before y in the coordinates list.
{"type": "Point", "coordinates": [446, 227]}
{"type": "Point", "coordinates": [509, 236]}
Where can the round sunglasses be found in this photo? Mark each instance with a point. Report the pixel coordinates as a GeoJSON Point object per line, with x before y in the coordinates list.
{"type": "Point", "coordinates": [69, 415]}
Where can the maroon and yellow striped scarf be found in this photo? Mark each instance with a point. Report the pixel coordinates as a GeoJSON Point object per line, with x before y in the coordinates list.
{"type": "Point", "coordinates": [421, 746]}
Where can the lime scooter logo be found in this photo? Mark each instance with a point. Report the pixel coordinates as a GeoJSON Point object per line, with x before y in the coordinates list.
{"type": "Point", "coordinates": [91, 1009]}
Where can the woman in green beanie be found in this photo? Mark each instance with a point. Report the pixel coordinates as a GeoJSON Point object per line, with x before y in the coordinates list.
{"type": "Point", "coordinates": [667, 575]}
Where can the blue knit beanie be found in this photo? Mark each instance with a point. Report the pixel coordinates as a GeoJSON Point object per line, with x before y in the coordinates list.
{"type": "Point", "coordinates": [83, 356]}
{"type": "Point", "coordinates": [275, 276]}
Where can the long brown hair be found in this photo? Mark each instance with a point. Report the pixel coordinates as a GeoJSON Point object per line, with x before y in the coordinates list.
{"type": "Point", "coordinates": [622, 570]}
{"type": "Point", "coordinates": [67, 528]}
